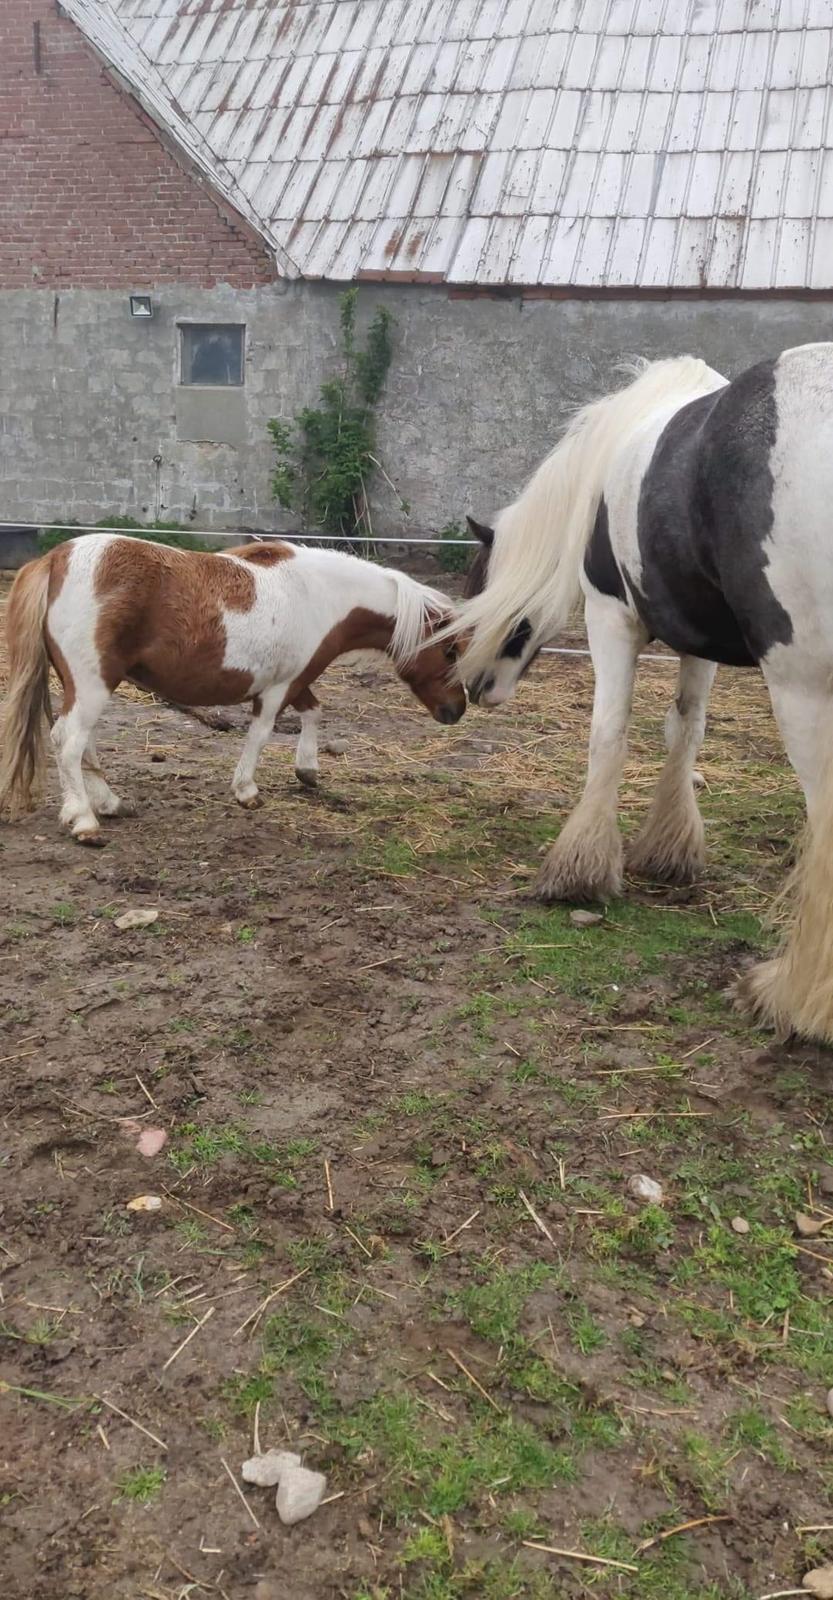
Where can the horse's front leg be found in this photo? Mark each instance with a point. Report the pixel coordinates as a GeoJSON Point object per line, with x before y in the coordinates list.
{"type": "Point", "coordinates": [265, 708]}
{"type": "Point", "coordinates": [585, 863]}
{"type": "Point", "coordinates": [671, 844]}
{"type": "Point", "coordinates": [306, 752]}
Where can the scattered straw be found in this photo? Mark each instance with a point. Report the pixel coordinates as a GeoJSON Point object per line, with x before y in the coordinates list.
{"type": "Point", "coordinates": [539, 1222]}
{"type": "Point", "coordinates": [239, 1492]}
{"type": "Point", "coordinates": [682, 1527]}
{"type": "Point", "coordinates": [580, 1555]}
{"type": "Point", "coordinates": [329, 1181]}
{"type": "Point", "coordinates": [218, 1221]}
{"type": "Point", "coordinates": [280, 1288]}
{"type": "Point", "coordinates": [187, 1340]}
{"type": "Point", "coordinates": [473, 1380]}
{"type": "Point", "coordinates": [102, 1400]}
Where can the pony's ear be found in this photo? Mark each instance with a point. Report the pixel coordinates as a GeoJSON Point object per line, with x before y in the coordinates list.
{"type": "Point", "coordinates": [481, 532]}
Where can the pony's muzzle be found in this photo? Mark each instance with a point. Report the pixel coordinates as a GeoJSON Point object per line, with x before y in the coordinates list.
{"type": "Point", "coordinates": [452, 711]}
{"type": "Point", "coordinates": [479, 687]}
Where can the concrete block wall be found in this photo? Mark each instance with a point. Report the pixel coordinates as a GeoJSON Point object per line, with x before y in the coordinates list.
{"type": "Point", "coordinates": [475, 397]}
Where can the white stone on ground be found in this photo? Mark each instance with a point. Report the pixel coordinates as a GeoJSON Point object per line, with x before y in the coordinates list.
{"type": "Point", "coordinates": [300, 1492]}
{"type": "Point", "coordinates": [647, 1189]}
{"type": "Point", "coordinates": [266, 1469]}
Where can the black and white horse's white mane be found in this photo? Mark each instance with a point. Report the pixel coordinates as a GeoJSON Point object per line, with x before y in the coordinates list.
{"type": "Point", "coordinates": [696, 511]}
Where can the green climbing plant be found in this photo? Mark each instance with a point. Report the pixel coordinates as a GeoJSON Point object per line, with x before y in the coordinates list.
{"type": "Point", "coordinates": [326, 459]}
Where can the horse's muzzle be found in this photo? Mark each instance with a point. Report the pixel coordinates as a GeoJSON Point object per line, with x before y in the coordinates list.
{"type": "Point", "coordinates": [449, 713]}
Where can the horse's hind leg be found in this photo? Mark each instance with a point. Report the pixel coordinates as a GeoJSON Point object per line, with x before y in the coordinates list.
{"type": "Point", "coordinates": [671, 844]}
{"type": "Point", "coordinates": [70, 735]}
{"type": "Point", "coordinates": [306, 753]}
{"type": "Point", "coordinates": [104, 800]}
{"type": "Point", "coordinates": [585, 863]}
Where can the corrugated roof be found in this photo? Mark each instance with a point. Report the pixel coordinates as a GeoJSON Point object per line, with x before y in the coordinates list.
{"type": "Point", "coordinates": [582, 143]}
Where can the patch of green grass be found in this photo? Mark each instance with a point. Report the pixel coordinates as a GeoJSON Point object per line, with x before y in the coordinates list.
{"type": "Point", "coordinates": [141, 1485]}
{"type": "Point", "coordinates": [493, 1308]}
{"type": "Point", "coordinates": [245, 936]}
{"type": "Point", "coordinates": [749, 1429]}
{"type": "Point", "coordinates": [759, 1270]}
{"type": "Point", "coordinates": [204, 1146]}
{"type": "Point", "coordinates": [585, 1332]}
{"type": "Point", "coordinates": [65, 914]}
{"type": "Point", "coordinates": [595, 963]}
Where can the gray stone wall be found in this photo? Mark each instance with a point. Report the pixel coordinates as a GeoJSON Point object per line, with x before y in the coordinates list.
{"type": "Point", "coordinates": [88, 396]}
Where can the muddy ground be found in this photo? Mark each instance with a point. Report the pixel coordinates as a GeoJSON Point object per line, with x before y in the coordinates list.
{"type": "Point", "coordinates": [407, 1104]}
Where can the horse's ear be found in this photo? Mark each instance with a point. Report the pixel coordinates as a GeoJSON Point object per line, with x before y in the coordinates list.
{"type": "Point", "coordinates": [481, 531]}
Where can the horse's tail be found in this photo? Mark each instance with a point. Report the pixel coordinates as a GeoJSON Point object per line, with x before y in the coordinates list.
{"type": "Point", "coordinates": [27, 707]}
{"type": "Point", "coordinates": [793, 991]}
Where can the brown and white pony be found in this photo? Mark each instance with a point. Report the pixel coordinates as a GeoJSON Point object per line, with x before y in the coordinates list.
{"type": "Point", "coordinates": [259, 623]}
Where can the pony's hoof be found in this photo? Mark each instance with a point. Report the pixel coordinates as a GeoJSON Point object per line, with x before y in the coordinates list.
{"type": "Point", "coordinates": [307, 777]}
{"type": "Point", "coordinates": [676, 872]}
{"type": "Point", "coordinates": [757, 993]}
{"type": "Point", "coordinates": [92, 837]}
{"type": "Point", "coordinates": [253, 803]}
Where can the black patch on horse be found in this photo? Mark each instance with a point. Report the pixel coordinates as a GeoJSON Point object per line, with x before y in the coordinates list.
{"type": "Point", "coordinates": [599, 561]}
{"type": "Point", "coordinates": [705, 510]}
{"type": "Point", "coordinates": [518, 638]}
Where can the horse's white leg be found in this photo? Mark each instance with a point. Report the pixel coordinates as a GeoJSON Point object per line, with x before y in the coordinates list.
{"type": "Point", "coordinates": [265, 708]}
{"type": "Point", "coordinates": [671, 843]}
{"type": "Point", "coordinates": [306, 752]}
{"type": "Point", "coordinates": [104, 800]}
{"type": "Point", "coordinates": [70, 735]}
{"type": "Point", "coordinates": [793, 991]}
{"type": "Point", "coordinates": [585, 863]}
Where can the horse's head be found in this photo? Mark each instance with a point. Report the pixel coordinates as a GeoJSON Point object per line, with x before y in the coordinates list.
{"type": "Point", "coordinates": [430, 674]}
{"type": "Point", "coordinates": [495, 683]}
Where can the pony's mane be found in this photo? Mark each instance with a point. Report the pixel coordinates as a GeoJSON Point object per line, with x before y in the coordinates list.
{"type": "Point", "coordinates": [416, 606]}
{"type": "Point", "coordinates": [535, 565]}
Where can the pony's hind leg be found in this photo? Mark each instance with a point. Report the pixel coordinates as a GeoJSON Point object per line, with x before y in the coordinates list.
{"type": "Point", "coordinates": [671, 844]}
{"type": "Point", "coordinates": [792, 992]}
{"type": "Point", "coordinates": [104, 800]}
{"type": "Point", "coordinates": [70, 735]}
{"type": "Point", "coordinates": [585, 863]}
{"type": "Point", "coordinates": [265, 708]}
{"type": "Point", "coordinates": [306, 753]}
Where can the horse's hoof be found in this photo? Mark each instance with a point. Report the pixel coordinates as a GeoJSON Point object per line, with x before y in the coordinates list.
{"type": "Point", "coordinates": [253, 803]}
{"type": "Point", "coordinates": [577, 882]}
{"type": "Point", "coordinates": [93, 838]}
{"type": "Point", "coordinates": [307, 777]}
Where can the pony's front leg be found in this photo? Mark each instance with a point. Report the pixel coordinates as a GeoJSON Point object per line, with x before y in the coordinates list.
{"type": "Point", "coordinates": [306, 752]}
{"type": "Point", "coordinates": [265, 708]}
{"type": "Point", "coordinates": [585, 863]}
{"type": "Point", "coordinates": [671, 844]}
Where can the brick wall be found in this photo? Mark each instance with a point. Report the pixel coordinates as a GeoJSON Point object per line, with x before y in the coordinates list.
{"type": "Point", "coordinates": [90, 197]}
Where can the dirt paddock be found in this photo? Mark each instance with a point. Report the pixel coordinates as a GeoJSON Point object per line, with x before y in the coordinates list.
{"type": "Point", "coordinates": [403, 1107]}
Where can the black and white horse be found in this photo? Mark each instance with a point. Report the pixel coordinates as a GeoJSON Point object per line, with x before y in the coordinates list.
{"type": "Point", "coordinates": [700, 513]}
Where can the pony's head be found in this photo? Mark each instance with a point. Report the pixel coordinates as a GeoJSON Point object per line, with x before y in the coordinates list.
{"type": "Point", "coordinates": [430, 675]}
{"type": "Point", "coordinates": [425, 649]}
{"type": "Point", "coordinates": [497, 682]}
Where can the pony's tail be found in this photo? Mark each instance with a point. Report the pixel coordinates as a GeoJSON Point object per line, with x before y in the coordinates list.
{"type": "Point", "coordinates": [793, 991]}
{"type": "Point", "coordinates": [27, 708]}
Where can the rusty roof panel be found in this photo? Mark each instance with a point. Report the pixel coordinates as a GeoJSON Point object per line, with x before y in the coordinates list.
{"type": "Point", "coordinates": [601, 143]}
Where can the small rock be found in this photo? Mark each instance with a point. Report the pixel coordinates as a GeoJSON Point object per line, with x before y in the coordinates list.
{"type": "Point", "coordinates": [829, 1401]}
{"type": "Point", "coordinates": [807, 1227]}
{"type": "Point", "coordinates": [151, 1141]}
{"type": "Point", "coordinates": [136, 919]}
{"type": "Point", "coordinates": [158, 755]}
{"type": "Point", "coordinates": [585, 919]}
{"type": "Point", "coordinates": [647, 1189]}
{"type": "Point", "coordinates": [819, 1582]}
{"type": "Point", "coordinates": [145, 1202]}
{"type": "Point", "coordinates": [636, 1319]}
{"type": "Point", "coordinates": [740, 1225]}
{"type": "Point", "coordinates": [266, 1469]}
{"type": "Point", "coordinates": [267, 1590]}
{"type": "Point", "coordinates": [826, 1180]}
{"type": "Point", "coordinates": [300, 1492]}
{"type": "Point", "coordinates": [365, 1527]}
{"type": "Point", "coordinates": [337, 747]}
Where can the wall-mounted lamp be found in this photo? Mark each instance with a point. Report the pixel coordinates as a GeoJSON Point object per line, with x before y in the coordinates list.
{"type": "Point", "coordinates": [141, 305]}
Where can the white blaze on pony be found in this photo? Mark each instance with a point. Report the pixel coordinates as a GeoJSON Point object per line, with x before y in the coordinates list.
{"type": "Point", "coordinates": [260, 623]}
{"type": "Point", "coordinates": [698, 512]}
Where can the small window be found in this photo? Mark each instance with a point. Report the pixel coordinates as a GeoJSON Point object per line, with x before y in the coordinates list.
{"type": "Point", "coordinates": [212, 353]}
